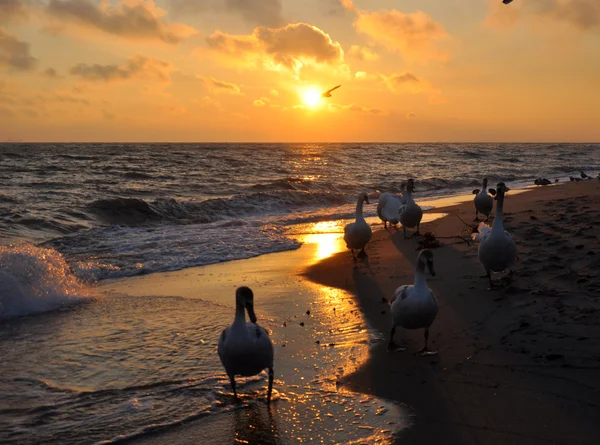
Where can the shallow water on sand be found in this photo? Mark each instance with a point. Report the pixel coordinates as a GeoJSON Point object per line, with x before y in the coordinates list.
{"type": "Point", "coordinates": [138, 363]}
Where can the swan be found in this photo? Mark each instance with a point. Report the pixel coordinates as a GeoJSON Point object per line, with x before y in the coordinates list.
{"type": "Point", "coordinates": [245, 348]}
{"type": "Point", "coordinates": [414, 306]}
{"type": "Point", "coordinates": [497, 249]}
{"type": "Point", "coordinates": [410, 213]}
{"type": "Point", "coordinates": [484, 203]}
{"type": "Point", "coordinates": [388, 208]}
{"type": "Point", "coordinates": [358, 233]}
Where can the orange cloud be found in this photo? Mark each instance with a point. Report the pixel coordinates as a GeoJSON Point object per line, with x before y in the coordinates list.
{"type": "Point", "coordinates": [132, 19]}
{"type": "Point", "coordinates": [414, 35]}
{"type": "Point", "coordinates": [409, 83]}
{"type": "Point", "coordinates": [14, 54]}
{"type": "Point", "coordinates": [220, 86]}
{"type": "Point", "coordinates": [361, 53]}
{"type": "Point", "coordinates": [138, 66]}
{"type": "Point", "coordinates": [358, 109]}
{"type": "Point", "coordinates": [289, 47]}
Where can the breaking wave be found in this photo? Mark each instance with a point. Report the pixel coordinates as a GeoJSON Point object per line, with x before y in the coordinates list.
{"type": "Point", "coordinates": [35, 280]}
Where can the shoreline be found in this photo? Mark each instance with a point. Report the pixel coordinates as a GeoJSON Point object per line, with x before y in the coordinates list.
{"type": "Point", "coordinates": [508, 369]}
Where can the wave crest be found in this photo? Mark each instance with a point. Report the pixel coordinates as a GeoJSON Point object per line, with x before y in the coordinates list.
{"type": "Point", "coordinates": [35, 280]}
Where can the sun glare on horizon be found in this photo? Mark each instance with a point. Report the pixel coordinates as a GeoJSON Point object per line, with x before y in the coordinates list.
{"type": "Point", "coordinates": [311, 97]}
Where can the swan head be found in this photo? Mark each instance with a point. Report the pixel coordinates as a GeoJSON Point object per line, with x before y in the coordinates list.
{"type": "Point", "coordinates": [244, 297]}
{"type": "Point", "coordinates": [426, 258]}
{"type": "Point", "coordinates": [365, 197]}
{"type": "Point", "coordinates": [485, 183]}
{"type": "Point", "coordinates": [501, 189]}
{"type": "Point", "coordinates": [410, 185]}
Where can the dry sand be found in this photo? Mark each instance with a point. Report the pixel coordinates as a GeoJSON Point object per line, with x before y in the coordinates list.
{"type": "Point", "coordinates": [518, 365]}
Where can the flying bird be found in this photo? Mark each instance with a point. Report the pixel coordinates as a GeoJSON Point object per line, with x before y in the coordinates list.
{"type": "Point", "coordinates": [328, 92]}
{"type": "Point", "coordinates": [506, 2]}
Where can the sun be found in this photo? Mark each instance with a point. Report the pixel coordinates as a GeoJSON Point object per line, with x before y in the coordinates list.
{"type": "Point", "coordinates": [311, 97]}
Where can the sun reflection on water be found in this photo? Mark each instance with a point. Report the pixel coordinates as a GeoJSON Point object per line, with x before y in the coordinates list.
{"type": "Point", "coordinates": [326, 236]}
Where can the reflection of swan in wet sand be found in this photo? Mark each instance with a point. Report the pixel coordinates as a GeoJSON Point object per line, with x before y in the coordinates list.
{"type": "Point", "coordinates": [255, 424]}
{"type": "Point", "coordinates": [328, 92]}
{"type": "Point", "coordinates": [414, 306]}
{"type": "Point", "coordinates": [358, 234]}
{"type": "Point", "coordinates": [245, 348]}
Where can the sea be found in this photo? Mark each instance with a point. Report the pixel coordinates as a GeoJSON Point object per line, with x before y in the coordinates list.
{"type": "Point", "coordinates": [76, 216]}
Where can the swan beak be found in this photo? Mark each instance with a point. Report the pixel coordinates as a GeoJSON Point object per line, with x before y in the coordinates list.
{"type": "Point", "coordinates": [251, 314]}
{"type": "Point", "coordinates": [367, 200]}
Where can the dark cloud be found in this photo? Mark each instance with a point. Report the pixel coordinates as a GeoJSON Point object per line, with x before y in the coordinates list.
{"type": "Point", "coordinates": [14, 54]}
{"type": "Point", "coordinates": [134, 19]}
{"type": "Point", "coordinates": [13, 10]}
{"type": "Point", "coordinates": [256, 12]}
{"type": "Point", "coordinates": [260, 12]}
{"type": "Point", "coordinates": [136, 67]}
{"type": "Point", "coordinates": [50, 72]}
{"type": "Point", "coordinates": [581, 14]}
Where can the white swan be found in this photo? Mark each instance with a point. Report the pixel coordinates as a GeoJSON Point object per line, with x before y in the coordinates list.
{"type": "Point", "coordinates": [388, 208]}
{"type": "Point", "coordinates": [358, 233]}
{"type": "Point", "coordinates": [497, 249]}
{"type": "Point", "coordinates": [410, 213]}
{"type": "Point", "coordinates": [245, 348]}
{"type": "Point", "coordinates": [415, 306]}
{"type": "Point", "coordinates": [484, 203]}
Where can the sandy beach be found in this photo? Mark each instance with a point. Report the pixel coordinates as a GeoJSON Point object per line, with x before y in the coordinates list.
{"type": "Point", "coordinates": [516, 365]}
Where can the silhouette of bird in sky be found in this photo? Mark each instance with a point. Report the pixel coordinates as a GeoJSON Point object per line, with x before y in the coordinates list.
{"type": "Point", "coordinates": [328, 92]}
{"type": "Point", "coordinates": [506, 2]}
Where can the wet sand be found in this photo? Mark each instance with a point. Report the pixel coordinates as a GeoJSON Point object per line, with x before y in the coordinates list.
{"type": "Point", "coordinates": [319, 336]}
{"type": "Point", "coordinates": [517, 365]}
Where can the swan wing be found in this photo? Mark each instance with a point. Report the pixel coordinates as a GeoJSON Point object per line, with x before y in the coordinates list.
{"type": "Point", "coordinates": [402, 293]}
{"type": "Point", "coordinates": [483, 231]}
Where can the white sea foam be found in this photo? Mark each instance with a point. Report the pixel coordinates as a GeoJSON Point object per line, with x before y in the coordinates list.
{"type": "Point", "coordinates": [35, 280]}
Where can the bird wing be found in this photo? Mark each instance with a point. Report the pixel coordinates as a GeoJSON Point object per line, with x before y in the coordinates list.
{"type": "Point", "coordinates": [333, 89]}
{"type": "Point", "coordinates": [483, 231]}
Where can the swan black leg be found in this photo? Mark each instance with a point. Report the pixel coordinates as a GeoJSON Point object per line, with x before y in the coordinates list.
{"type": "Point", "coordinates": [404, 228]}
{"type": "Point", "coordinates": [425, 350]}
{"type": "Point", "coordinates": [362, 253]}
{"type": "Point", "coordinates": [417, 233]}
{"type": "Point", "coordinates": [476, 215]}
{"type": "Point", "coordinates": [392, 346]}
{"type": "Point", "coordinates": [270, 386]}
{"type": "Point", "coordinates": [489, 277]}
{"type": "Point", "coordinates": [232, 380]}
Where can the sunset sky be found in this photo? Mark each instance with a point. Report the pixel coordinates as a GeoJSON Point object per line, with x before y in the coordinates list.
{"type": "Point", "coordinates": [253, 70]}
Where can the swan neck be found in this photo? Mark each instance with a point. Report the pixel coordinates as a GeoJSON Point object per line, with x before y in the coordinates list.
{"type": "Point", "coordinates": [498, 226]}
{"type": "Point", "coordinates": [240, 314]}
{"type": "Point", "coordinates": [420, 279]}
{"type": "Point", "coordinates": [359, 208]}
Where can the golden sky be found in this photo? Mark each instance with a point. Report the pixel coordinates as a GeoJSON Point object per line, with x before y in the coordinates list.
{"type": "Point", "coordinates": [253, 70]}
